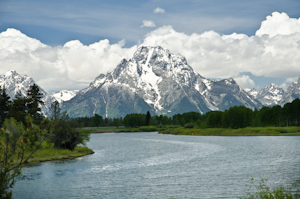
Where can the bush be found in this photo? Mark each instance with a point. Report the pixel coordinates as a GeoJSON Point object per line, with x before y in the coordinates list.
{"type": "Point", "coordinates": [65, 134]}
{"type": "Point", "coordinates": [189, 125]}
{"type": "Point", "coordinates": [265, 192]}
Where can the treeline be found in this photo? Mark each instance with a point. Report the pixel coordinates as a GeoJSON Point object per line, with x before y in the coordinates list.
{"type": "Point", "coordinates": [235, 117]}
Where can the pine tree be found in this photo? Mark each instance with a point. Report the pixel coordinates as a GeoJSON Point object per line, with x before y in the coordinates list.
{"type": "Point", "coordinates": [18, 108]}
{"type": "Point", "coordinates": [34, 97]}
{"type": "Point", "coordinates": [4, 104]}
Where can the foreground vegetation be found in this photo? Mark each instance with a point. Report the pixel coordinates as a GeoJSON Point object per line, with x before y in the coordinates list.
{"type": "Point", "coordinates": [27, 137]}
{"type": "Point", "coordinates": [50, 154]}
{"type": "Point", "coordinates": [263, 191]}
{"type": "Point", "coordinates": [248, 131]}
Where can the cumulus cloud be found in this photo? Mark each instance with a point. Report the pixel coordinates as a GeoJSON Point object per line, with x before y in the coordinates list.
{"type": "Point", "coordinates": [222, 56]}
{"type": "Point", "coordinates": [279, 24]}
{"type": "Point", "coordinates": [158, 10]}
{"type": "Point", "coordinates": [74, 65]}
{"type": "Point", "coordinates": [148, 23]}
{"type": "Point", "coordinates": [245, 81]}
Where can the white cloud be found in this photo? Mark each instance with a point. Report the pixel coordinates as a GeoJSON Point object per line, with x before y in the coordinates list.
{"type": "Point", "coordinates": [74, 65]}
{"type": "Point", "coordinates": [279, 24]}
{"type": "Point", "coordinates": [158, 10]}
{"type": "Point", "coordinates": [148, 23]}
{"type": "Point", "coordinates": [245, 82]}
{"type": "Point", "coordinates": [222, 56]}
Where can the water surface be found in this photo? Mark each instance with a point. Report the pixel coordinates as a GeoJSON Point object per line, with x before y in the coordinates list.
{"type": "Point", "coordinates": [150, 165]}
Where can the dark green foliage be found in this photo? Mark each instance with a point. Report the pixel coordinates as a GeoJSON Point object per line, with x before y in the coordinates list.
{"type": "Point", "coordinates": [19, 108]}
{"type": "Point", "coordinates": [214, 119]}
{"type": "Point", "coordinates": [189, 125]}
{"type": "Point", "coordinates": [66, 133]}
{"type": "Point", "coordinates": [4, 104]}
{"type": "Point", "coordinates": [148, 117]}
{"type": "Point", "coordinates": [97, 120]}
{"type": "Point", "coordinates": [135, 120]}
{"type": "Point", "coordinates": [237, 117]}
{"type": "Point", "coordinates": [34, 97]}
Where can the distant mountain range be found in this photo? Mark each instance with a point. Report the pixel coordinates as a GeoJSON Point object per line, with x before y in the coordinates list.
{"type": "Point", "coordinates": [153, 80]}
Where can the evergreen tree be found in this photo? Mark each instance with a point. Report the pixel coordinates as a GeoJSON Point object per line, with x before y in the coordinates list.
{"type": "Point", "coordinates": [34, 97]}
{"type": "Point", "coordinates": [19, 108]}
{"type": "Point", "coordinates": [54, 110]}
{"type": "Point", "coordinates": [148, 117]}
{"type": "Point", "coordinates": [4, 104]}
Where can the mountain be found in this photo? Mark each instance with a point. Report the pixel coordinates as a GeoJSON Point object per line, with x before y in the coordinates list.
{"type": "Point", "coordinates": [158, 81]}
{"type": "Point", "coordinates": [270, 95]}
{"type": "Point", "coordinates": [64, 95]}
{"type": "Point", "coordinates": [13, 82]}
{"type": "Point", "coordinates": [253, 92]}
{"type": "Point", "coordinates": [292, 92]}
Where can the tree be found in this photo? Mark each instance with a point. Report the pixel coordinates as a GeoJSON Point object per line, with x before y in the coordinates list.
{"type": "Point", "coordinates": [34, 97]}
{"type": "Point", "coordinates": [4, 104]}
{"type": "Point", "coordinates": [13, 144]}
{"type": "Point", "coordinates": [97, 120]}
{"type": "Point", "coordinates": [54, 110]}
{"type": "Point", "coordinates": [148, 117]}
{"type": "Point", "coordinates": [66, 135]}
{"type": "Point", "coordinates": [18, 108]}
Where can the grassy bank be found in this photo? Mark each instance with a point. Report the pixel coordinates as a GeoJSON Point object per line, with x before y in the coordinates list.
{"type": "Point", "coordinates": [49, 154]}
{"type": "Point", "coordinates": [249, 131]}
{"type": "Point", "coordinates": [138, 129]}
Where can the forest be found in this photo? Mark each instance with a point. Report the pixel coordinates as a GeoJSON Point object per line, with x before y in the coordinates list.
{"type": "Point", "coordinates": [235, 117]}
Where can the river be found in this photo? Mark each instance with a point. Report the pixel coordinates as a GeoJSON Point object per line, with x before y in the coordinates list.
{"type": "Point", "coordinates": [151, 165]}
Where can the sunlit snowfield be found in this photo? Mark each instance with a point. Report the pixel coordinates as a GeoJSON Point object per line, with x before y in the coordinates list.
{"type": "Point", "coordinates": [149, 165]}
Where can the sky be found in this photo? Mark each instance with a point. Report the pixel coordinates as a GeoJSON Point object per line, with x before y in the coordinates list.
{"type": "Point", "coordinates": [65, 45]}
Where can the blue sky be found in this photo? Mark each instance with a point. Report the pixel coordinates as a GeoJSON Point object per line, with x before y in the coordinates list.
{"type": "Point", "coordinates": [57, 22]}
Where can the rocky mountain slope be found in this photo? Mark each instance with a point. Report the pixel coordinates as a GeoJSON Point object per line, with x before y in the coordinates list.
{"type": "Point", "coordinates": [272, 94]}
{"type": "Point", "coordinates": [292, 92]}
{"type": "Point", "coordinates": [156, 80]}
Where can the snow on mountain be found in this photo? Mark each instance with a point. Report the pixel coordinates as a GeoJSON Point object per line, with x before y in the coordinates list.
{"type": "Point", "coordinates": [64, 95]}
{"type": "Point", "coordinates": [270, 95]}
{"type": "Point", "coordinates": [253, 92]}
{"type": "Point", "coordinates": [13, 82]}
{"type": "Point", "coordinates": [292, 92]}
{"type": "Point", "coordinates": [156, 80]}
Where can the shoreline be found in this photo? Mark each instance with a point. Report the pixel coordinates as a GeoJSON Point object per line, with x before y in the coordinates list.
{"type": "Point", "coordinates": [59, 154]}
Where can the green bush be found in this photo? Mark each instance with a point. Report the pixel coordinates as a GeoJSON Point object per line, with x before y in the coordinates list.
{"type": "Point", "coordinates": [189, 125]}
{"type": "Point", "coordinates": [265, 192]}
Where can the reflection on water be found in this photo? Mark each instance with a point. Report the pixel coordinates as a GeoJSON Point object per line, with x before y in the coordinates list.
{"type": "Point", "coordinates": [148, 165]}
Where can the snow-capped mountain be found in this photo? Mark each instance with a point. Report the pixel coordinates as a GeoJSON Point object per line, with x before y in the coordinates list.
{"type": "Point", "coordinates": [158, 81]}
{"type": "Point", "coordinates": [253, 92]}
{"type": "Point", "coordinates": [64, 95]}
{"type": "Point", "coordinates": [292, 92]}
{"type": "Point", "coordinates": [270, 95]}
{"type": "Point", "coordinates": [13, 82]}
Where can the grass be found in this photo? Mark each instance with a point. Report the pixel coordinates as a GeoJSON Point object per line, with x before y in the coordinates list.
{"type": "Point", "coordinates": [48, 153]}
{"type": "Point", "coordinates": [138, 129]}
{"type": "Point", "coordinates": [248, 131]}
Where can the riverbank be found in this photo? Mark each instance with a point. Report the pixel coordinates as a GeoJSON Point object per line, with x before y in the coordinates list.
{"type": "Point", "coordinates": [248, 131]}
{"type": "Point", "coordinates": [50, 154]}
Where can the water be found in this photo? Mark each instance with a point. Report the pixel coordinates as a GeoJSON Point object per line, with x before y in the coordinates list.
{"type": "Point", "coordinates": [150, 165]}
